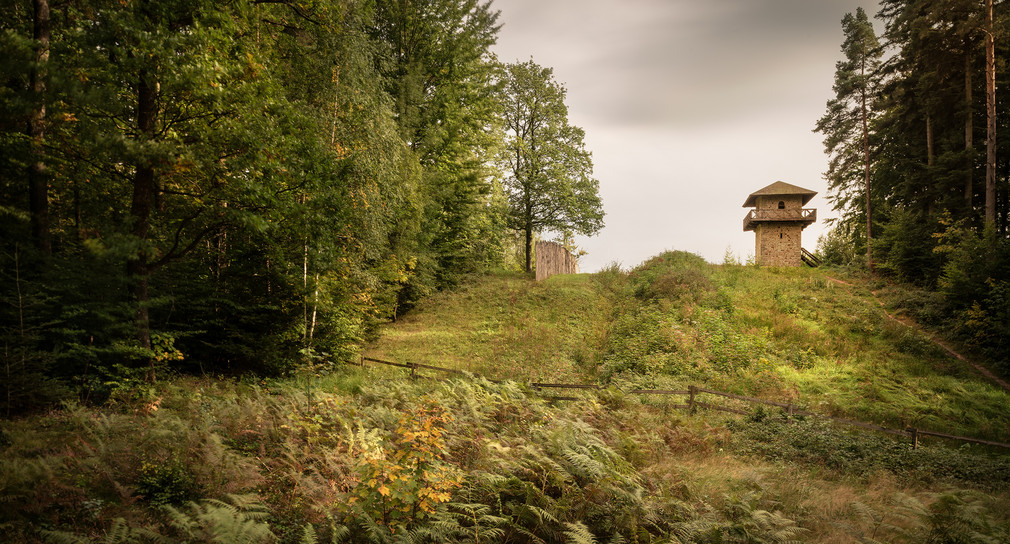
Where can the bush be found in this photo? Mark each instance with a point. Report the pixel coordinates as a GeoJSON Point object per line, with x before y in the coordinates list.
{"type": "Point", "coordinates": [819, 442]}
{"type": "Point", "coordinates": [672, 275]}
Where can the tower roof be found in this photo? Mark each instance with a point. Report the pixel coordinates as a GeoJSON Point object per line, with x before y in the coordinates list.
{"type": "Point", "coordinates": [779, 188]}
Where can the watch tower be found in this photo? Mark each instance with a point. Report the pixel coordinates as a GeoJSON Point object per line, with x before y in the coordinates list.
{"type": "Point", "coordinates": [778, 220]}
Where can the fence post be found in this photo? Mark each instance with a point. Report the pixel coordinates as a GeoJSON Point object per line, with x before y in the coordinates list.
{"type": "Point", "coordinates": [915, 438]}
{"type": "Point", "coordinates": [691, 390]}
{"type": "Point", "coordinates": [789, 413]}
{"type": "Point", "coordinates": [413, 371]}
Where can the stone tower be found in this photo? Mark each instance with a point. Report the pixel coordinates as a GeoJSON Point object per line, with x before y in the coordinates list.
{"type": "Point", "coordinates": [778, 221]}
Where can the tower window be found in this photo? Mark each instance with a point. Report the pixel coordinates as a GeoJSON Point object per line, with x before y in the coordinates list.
{"type": "Point", "coordinates": [782, 205]}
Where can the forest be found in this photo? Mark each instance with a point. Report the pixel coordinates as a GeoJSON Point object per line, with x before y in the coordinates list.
{"type": "Point", "coordinates": [917, 161]}
{"type": "Point", "coordinates": [251, 186]}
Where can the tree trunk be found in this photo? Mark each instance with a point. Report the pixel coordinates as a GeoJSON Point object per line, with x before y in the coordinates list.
{"type": "Point", "coordinates": [930, 154]}
{"type": "Point", "coordinates": [990, 103]}
{"type": "Point", "coordinates": [929, 140]}
{"type": "Point", "coordinates": [38, 183]}
{"type": "Point", "coordinates": [144, 187]}
{"type": "Point", "coordinates": [969, 129]}
{"type": "Point", "coordinates": [866, 167]}
{"type": "Point", "coordinates": [529, 246]}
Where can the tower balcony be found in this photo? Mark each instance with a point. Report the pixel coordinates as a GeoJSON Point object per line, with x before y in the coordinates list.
{"type": "Point", "coordinates": [806, 216]}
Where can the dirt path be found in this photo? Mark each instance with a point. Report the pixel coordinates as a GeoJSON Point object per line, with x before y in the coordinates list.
{"type": "Point", "coordinates": [932, 338]}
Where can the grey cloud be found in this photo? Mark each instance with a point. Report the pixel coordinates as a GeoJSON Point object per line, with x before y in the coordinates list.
{"type": "Point", "coordinates": [651, 61]}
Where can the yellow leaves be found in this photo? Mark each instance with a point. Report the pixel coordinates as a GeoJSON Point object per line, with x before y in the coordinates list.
{"type": "Point", "coordinates": [150, 407]}
{"type": "Point", "coordinates": [412, 478]}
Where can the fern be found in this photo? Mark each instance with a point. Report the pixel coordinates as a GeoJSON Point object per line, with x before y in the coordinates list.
{"type": "Point", "coordinates": [587, 468]}
{"type": "Point", "coordinates": [474, 522]}
{"type": "Point", "coordinates": [578, 533]}
{"type": "Point", "coordinates": [118, 533]}
{"type": "Point", "coordinates": [867, 520]}
{"type": "Point", "coordinates": [309, 535]}
{"type": "Point", "coordinates": [238, 521]}
{"type": "Point", "coordinates": [751, 524]}
{"type": "Point", "coordinates": [952, 517]}
{"type": "Point", "coordinates": [338, 533]}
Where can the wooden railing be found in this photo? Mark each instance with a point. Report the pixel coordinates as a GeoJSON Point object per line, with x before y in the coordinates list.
{"type": "Point", "coordinates": [692, 403]}
{"type": "Point", "coordinates": [809, 259]}
{"type": "Point", "coordinates": [805, 215]}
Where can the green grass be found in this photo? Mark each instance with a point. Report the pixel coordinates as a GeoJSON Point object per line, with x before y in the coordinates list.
{"type": "Point", "coordinates": [506, 327]}
{"type": "Point", "coordinates": [784, 334]}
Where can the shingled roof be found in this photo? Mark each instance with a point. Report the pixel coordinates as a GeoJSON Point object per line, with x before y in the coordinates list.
{"type": "Point", "coordinates": [779, 188]}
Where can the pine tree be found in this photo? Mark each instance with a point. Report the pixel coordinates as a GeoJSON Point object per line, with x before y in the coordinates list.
{"type": "Point", "coordinates": [439, 73]}
{"type": "Point", "coordinates": [847, 123]}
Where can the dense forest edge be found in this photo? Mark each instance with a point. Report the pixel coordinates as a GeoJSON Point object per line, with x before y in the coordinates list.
{"type": "Point", "coordinates": [252, 187]}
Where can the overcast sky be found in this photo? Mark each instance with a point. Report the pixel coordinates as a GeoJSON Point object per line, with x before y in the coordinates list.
{"type": "Point", "coordinates": [688, 107]}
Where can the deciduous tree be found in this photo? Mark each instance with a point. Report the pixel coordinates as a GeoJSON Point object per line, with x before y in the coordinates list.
{"type": "Point", "coordinates": [548, 170]}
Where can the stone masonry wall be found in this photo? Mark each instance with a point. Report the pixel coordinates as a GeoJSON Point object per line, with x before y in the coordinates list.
{"type": "Point", "coordinates": [778, 244]}
{"type": "Point", "coordinates": [553, 258]}
{"type": "Point", "coordinates": [772, 202]}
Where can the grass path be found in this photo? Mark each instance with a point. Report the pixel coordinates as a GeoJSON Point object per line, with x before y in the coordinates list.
{"type": "Point", "coordinates": [946, 347]}
{"type": "Point", "coordinates": [933, 338]}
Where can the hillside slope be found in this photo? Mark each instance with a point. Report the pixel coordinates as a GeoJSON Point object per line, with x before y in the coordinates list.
{"type": "Point", "coordinates": [791, 335]}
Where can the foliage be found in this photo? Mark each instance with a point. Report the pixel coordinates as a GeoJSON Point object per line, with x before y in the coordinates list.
{"type": "Point", "coordinates": [846, 123]}
{"type": "Point", "coordinates": [402, 485]}
{"type": "Point", "coordinates": [240, 187]}
{"type": "Point", "coordinates": [671, 275]}
{"type": "Point", "coordinates": [352, 454]}
{"type": "Point", "coordinates": [926, 132]}
{"type": "Point", "coordinates": [976, 289]}
{"type": "Point", "coordinates": [821, 443]}
{"type": "Point", "coordinates": [438, 71]}
{"type": "Point", "coordinates": [835, 247]}
{"type": "Point", "coordinates": [547, 170]}
{"type": "Point", "coordinates": [240, 520]}
{"type": "Point", "coordinates": [949, 517]}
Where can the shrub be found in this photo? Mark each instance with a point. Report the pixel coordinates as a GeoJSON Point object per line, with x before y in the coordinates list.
{"type": "Point", "coordinates": [167, 482]}
{"type": "Point", "coordinates": [672, 275]}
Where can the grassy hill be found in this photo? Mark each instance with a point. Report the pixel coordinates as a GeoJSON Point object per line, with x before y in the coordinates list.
{"type": "Point", "coordinates": [796, 335]}
{"type": "Point", "coordinates": [366, 455]}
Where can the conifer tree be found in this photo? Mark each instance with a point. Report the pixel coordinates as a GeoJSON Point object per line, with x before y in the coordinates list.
{"type": "Point", "coordinates": [846, 125]}
{"type": "Point", "coordinates": [439, 74]}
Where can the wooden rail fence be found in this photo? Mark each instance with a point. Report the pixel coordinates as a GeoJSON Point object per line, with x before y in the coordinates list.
{"type": "Point", "coordinates": [693, 404]}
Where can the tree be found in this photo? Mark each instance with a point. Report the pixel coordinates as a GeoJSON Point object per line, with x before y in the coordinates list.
{"type": "Point", "coordinates": [548, 171]}
{"type": "Point", "coordinates": [185, 134]}
{"type": "Point", "coordinates": [846, 124]}
{"type": "Point", "coordinates": [37, 182]}
{"type": "Point", "coordinates": [439, 74]}
{"type": "Point", "coordinates": [990, 114]}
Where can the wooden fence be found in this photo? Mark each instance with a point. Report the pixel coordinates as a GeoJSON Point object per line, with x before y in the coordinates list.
{"type": "Point", "coordinates": [693, 403]}
{"type": "Point", "coordinates": [553, 258]}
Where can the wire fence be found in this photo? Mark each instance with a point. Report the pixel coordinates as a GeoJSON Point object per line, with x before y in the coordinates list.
{"type": "Point", "coordinates": [693, 404]}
